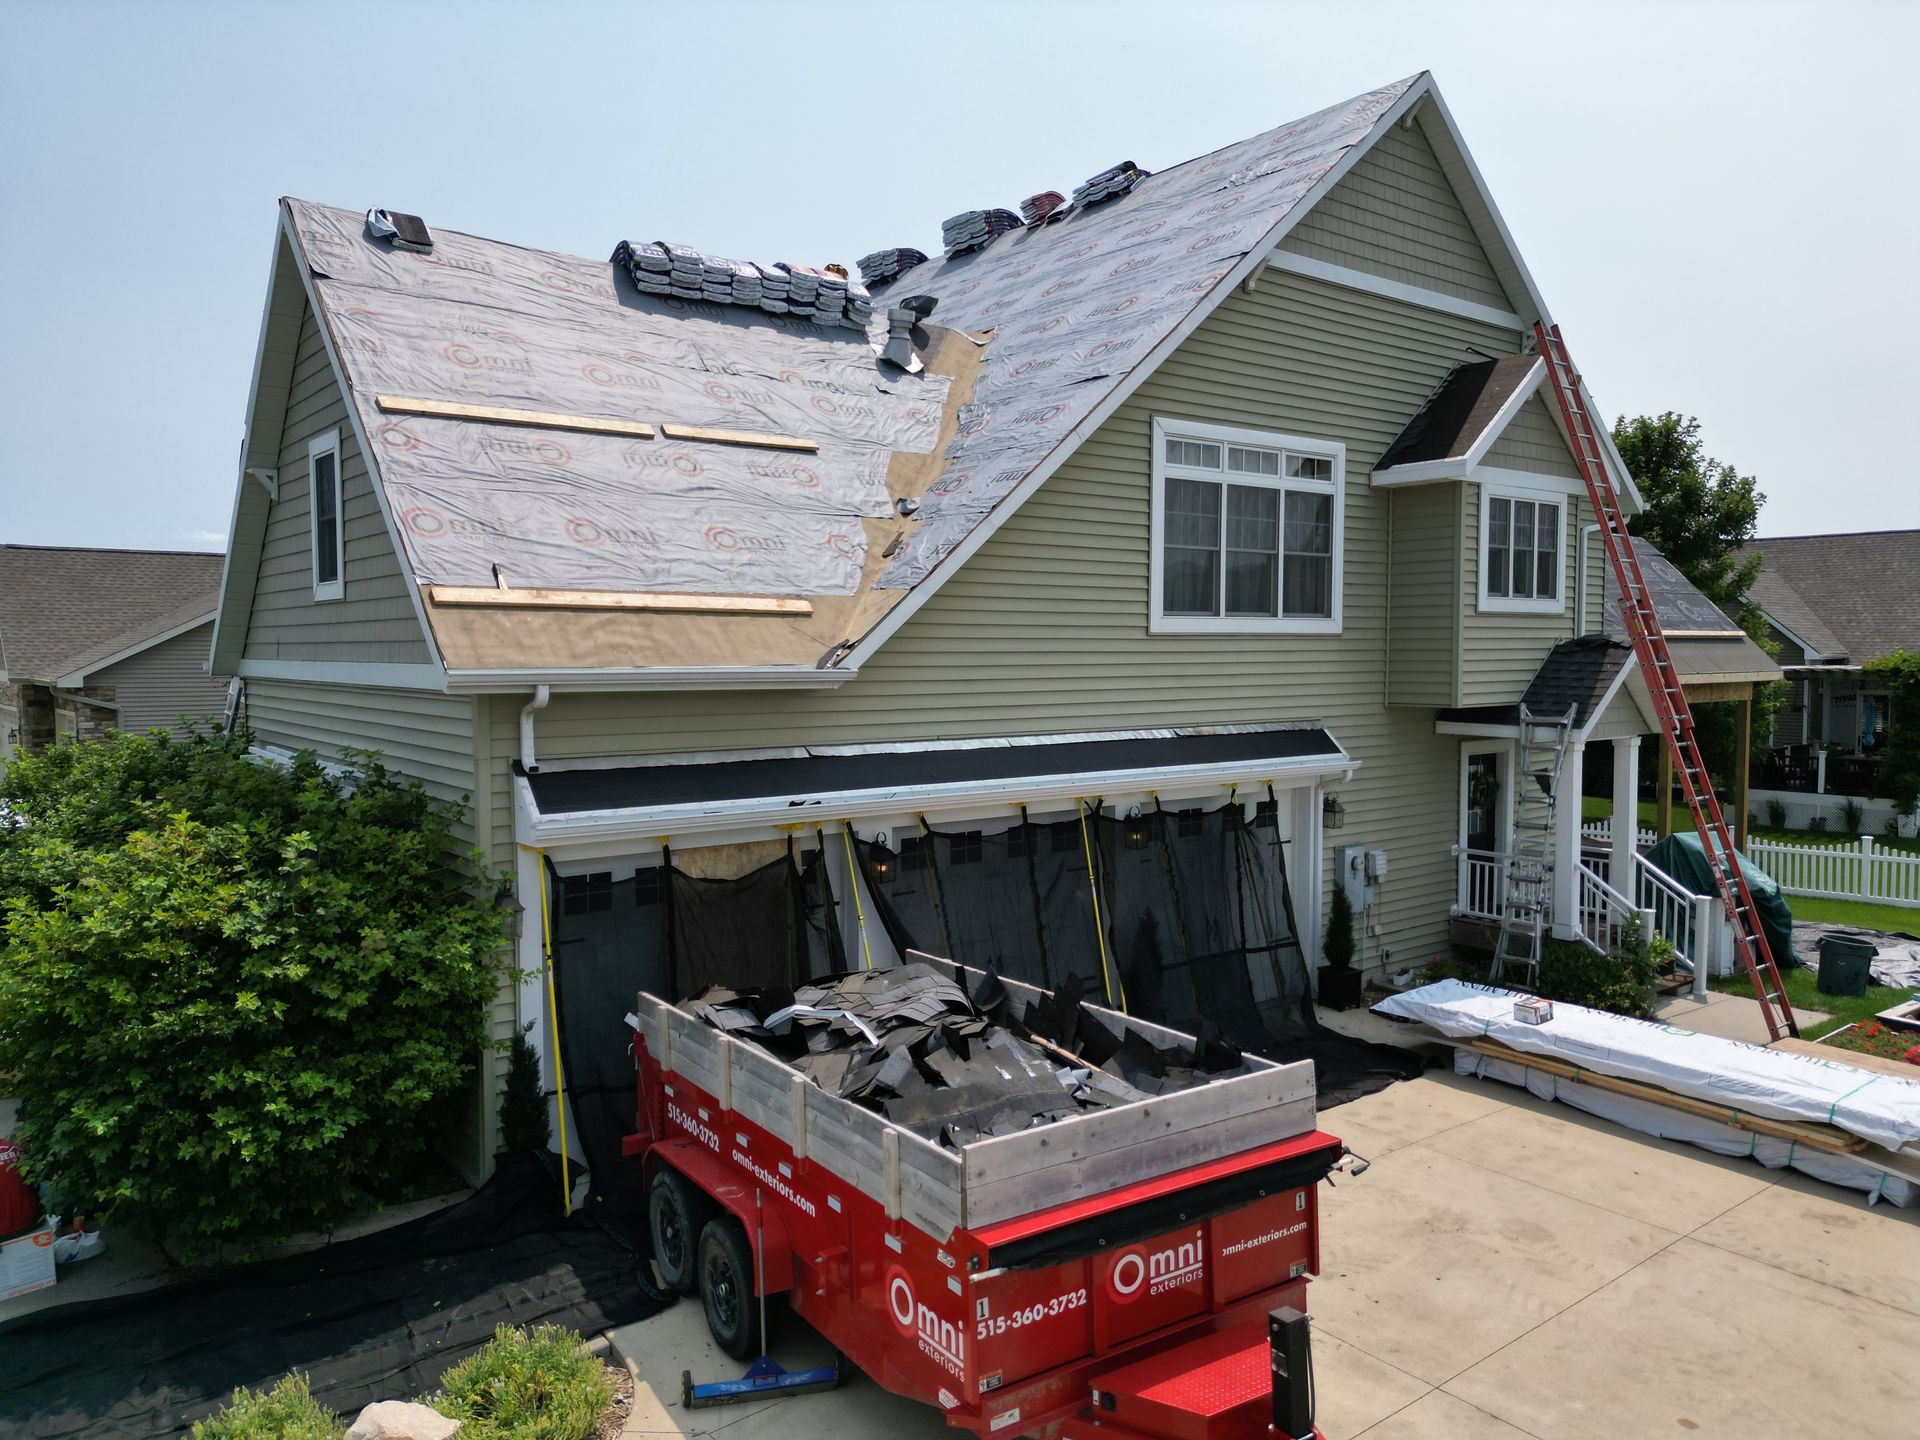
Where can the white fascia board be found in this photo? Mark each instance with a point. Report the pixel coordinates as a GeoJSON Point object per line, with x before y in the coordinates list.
{"type": "Point", "coordinates": [78, 679]}
{"type": "Point", "coordinates": [1249, 264]}
{"type": "Point", "coordinates": [248, 432]}
{"type": "Point", "coordinates": [664, 821]}
{"type": "Point", "coordinates": [359, 673]}
{"type": "Point", "coordinates": [1349, 278]}
{"type": "Point", "coordinates": [324, 324]}
{"type": "Point", "coordinates": [1421, 472]}
{"type": "Point", "coordinates": [715, 677]}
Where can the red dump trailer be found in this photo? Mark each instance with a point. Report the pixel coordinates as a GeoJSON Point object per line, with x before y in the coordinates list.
{"type": "Point", "coordinates": [1133, 1272]}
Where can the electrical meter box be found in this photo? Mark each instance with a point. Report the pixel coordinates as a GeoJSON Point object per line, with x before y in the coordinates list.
{"type": "Point", "coordinates": [1350, 863]}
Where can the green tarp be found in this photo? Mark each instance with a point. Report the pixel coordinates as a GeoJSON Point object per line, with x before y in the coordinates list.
{"type": "Point", "coordinates": [1685, 859]}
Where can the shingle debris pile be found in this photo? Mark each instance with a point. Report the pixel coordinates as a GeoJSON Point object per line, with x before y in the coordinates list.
{"type": "Point", "coordinates": [955, 1068]}
{"type": "Point", "coordinates": [660, 268]}
{"type": "Point", "coordinates": [1113, 181]}
{"type": "Point", "coordinates": [971, 229]}
{"type": "Point", "coordinates": [882, 265]}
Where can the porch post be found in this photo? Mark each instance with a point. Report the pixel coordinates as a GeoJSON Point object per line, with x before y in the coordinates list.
{"type": "Point", "coordinates": [1626, 815]}
{"type": "Point", "coordinates": [1566, 843]}
{"type": "Point", "coordinates": [1663, 800]}
{"type": "Point", "coordinates": [1742, 761]}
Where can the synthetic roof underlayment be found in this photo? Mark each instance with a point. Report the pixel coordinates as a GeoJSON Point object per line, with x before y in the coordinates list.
{"type": "Point", "coordinates": [1058, 321]}
{"type": "Point", "coordinates": [1707, 647]}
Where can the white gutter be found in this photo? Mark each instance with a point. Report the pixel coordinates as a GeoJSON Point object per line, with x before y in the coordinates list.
{"type": "Point", "coordinates": [1580, 590]}
{"type": "Point", "coordinates": [652, 822]}
{"type": "Point", "coordinates": [541, 694]}
{"type": "Point", "coordinates": [705, 677]}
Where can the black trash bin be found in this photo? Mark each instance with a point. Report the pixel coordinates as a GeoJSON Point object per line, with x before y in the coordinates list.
{"type": "Point", "coordinates": [1844, 963]}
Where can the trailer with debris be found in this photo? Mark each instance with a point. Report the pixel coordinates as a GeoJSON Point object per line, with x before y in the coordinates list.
{"type": "Point", "coordinates": [1114, 1266]}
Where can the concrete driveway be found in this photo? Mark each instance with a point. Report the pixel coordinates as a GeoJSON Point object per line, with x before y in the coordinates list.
{"type": "Point", "coordinates": [1510, 1267]}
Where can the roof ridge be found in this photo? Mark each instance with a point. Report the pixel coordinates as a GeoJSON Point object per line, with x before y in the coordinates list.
{"type": "Point", "coordinates": [105, 550]}
{"type": "Point", "coordinates": [1834, 535]}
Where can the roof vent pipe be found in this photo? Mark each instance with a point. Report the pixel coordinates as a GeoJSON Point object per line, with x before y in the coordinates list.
{"type": "Point", "coordinates": [528, 760]}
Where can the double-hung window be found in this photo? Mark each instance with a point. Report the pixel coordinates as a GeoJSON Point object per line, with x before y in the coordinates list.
{"type": "Point", "coordinates": [324, 517]}
{"type": "Point", "coordinates": [1520, 560]}
{"type": "Point", "coordinates": [1246, 530]}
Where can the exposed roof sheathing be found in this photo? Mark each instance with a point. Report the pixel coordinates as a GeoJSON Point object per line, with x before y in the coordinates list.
{"type": "Point", "coordinates": [1708, 647]}
{"type": "Point", "coordinates": [63, 608]}
{"type": "Point", "coordinates": [1850, 597]}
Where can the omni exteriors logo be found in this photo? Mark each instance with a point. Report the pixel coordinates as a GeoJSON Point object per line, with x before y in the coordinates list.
{"type": "Point", "coordinates": [583, 531]}
{"type": "Point", "coordinates": [845, 546]}
{"type": "Point", "coordinates": [942, 1339]}
{"type": "Point", "coordinates": [1140, 1271]}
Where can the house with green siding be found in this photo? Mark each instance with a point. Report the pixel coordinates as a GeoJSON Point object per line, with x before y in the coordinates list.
{"type": "Point", "coordinates": [805, 638]}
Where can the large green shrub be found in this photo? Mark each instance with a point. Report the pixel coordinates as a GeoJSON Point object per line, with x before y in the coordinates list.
{"type": "Point", "coordinates": [286, 1412]}
{"type": "Point", "coordinates": [237, 996]}
{"type": "Point", "coordinates": [1621, 981]}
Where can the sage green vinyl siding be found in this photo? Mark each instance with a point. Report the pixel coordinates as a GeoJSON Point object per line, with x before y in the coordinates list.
{"type": "Point", "coordinates": [1500, 650]}
{"type": "Point", "coordinates": [1533, 443]}
{"type": "Point", "coordinates": [1423, 649]}
{"type": "Point", "coordinates": [1044, 630]}
{"type": "Point", "coordinates": [164, 682]}
{"type": "Point", "coordinates": [431, 738]}
{"type": "Point", "coordinates": [1394, 215]}
{"type": "Point", "coordinates": [375, 619]}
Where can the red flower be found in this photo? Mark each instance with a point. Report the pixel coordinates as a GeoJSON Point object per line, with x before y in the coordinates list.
{"type": "Point", "coordinates": [1912, 1057]}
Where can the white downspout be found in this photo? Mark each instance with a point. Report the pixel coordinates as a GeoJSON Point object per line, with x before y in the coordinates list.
{"type": "Point", "coordinates": [1580, 591]}
{"type": "Point", "coordinates": [528, 761]}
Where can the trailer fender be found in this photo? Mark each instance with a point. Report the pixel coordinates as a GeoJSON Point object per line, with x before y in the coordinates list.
{"type": "Point", "coordinates": [766, 1230]}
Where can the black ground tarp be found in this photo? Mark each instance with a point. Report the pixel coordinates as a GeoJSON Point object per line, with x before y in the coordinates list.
{"type": "Point", "coordinates": [378, 1318]}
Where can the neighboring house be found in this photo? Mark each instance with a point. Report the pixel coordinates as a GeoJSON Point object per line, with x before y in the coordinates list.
{"type": "Point", "coordinates": [1208, 496]}
{"type": "Point", "coordinates": [1833, 603]}
{"type": "Point", "coordinates": [1716, 661]}
{"type": "Point", "coordinates": [98, 640]}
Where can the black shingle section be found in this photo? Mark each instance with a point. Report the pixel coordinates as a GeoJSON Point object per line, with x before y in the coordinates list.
{"type": "Point", "coordinates": [1457, 413]}
{"type": "Point", "coordinates": [1575, 672]}
{"type": "Point", "coordinates": [798, 780]}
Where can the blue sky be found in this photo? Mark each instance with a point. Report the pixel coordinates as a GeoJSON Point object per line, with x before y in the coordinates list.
{"type": "Point", "coordinates": [1717, 199]}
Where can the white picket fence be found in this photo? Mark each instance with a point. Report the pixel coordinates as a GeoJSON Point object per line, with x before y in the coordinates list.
{"type": "Point", "coordinates": [1603, 830]}
{"type": "Point", "coordinates": [1841, 872]}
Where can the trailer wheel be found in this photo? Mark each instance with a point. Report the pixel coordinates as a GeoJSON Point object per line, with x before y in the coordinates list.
{"type": "Point", "coordinates": [726, 1288]}
{"type": "Point", "coordinates": [675, 1213]}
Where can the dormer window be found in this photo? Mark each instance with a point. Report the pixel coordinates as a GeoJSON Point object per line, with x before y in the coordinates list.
{"type": "Point", "coordinates": [1246, 531]}
{"type": "Point", "coordinates": [325, 519]}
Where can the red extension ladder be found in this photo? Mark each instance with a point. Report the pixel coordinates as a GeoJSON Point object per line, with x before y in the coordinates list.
{"type": "Point", "coordinates": [1669, 701]}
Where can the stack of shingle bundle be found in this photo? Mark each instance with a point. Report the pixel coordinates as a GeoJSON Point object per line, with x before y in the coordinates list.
{"type": "Point", "coordinates": [1114, 181]}
{"type": "Point", "coordinates": [955, 1068]}
{"type": "Point", "coordinates": [884, 265]}
{"type": "Point", "coordinates": [1035, 208]}
{"type": "Point", "coordinates": [971, 229]}
{"type": "Point", "coordinates": [661, 268]}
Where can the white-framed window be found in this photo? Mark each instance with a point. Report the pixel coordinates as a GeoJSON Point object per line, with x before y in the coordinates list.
{"type": "Point", "coordinates": [325, 520]}
{"type": "Point", "coordinates": [1522, 551]}
{"type": "Point", "coordinates": [1247, 529]}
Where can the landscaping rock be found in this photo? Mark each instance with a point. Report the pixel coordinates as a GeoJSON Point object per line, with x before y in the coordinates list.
{"type": "Point", "coordinates": [401, 1420]}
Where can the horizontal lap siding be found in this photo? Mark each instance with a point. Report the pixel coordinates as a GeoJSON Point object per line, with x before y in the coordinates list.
{"type": "Point", "coordinates": [1395, 215]}
{"type": "Point", "coordinates": [375, 620]}
{"type": "Point", "coordinates": [1045, 628]}
{"type": "Point", "coordinates": [1500, 651]}
{"type": "Point", "coordinates": [1424, 586]}
{"type": "Point", "coordinates": [155, 688]}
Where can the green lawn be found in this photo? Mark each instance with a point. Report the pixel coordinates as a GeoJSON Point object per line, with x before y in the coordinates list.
{"type": "Point", "coordinates": [1806, 996]}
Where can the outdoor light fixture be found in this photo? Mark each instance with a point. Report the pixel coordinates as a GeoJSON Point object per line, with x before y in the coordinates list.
{"type": "Point", "coordinates": [1333, 814]}
{"type": "Point", "coordinates": [513, 915]}
{"type": "Point", "coordinates": [882, 864]}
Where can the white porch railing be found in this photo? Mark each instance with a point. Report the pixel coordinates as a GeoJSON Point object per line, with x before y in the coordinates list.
{"type": "Point", "coordinates": [1603, 830]}
{"type": "Point", "coordinates": [1483, 884]}
{"type": "Point", "coordinates": [1604, 911]}
{"type": "Point", "coordinates": [1692, 922]}
{"type": "Point", "coordinates": [1841, 872]}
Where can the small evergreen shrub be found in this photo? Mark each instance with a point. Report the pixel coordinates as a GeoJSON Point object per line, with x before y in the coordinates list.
{"type": "Point", "coordinates": [237, 996]}
{"type": "Point", "coordinates": [523, 1105]}
{"type": "Point", "coordinates": [1338, 949]}
{"type": "Point", "coordinates": [286, 1412]}
{"type": "Point", "coordinates": [1776, 814]}
{"type": "Point", "coordinates": [1852, 816]}
{"type": "Point", "coordinates": [527, 1385]}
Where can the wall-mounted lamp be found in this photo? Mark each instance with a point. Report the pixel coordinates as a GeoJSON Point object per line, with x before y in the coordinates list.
{"type": "Point", "coordinates": [881, 859]}
{"type": "Point", "coordinates": [513, 915]}
{"type": "Point", "coordinates": [1333, 814]}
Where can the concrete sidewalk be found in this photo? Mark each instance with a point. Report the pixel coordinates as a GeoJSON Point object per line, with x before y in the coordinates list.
{"type": "Point", "coordinates": [1512, 1268]}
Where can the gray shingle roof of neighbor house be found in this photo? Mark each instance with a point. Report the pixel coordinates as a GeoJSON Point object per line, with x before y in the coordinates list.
{"type": "Point", "coordinates": [1849, 597]}
{"type": "Point", "coordinates": [63, 608]}
{"type": "Point", "coordinates": [1706, 646]}
{"type": "Point", "coordinates": [1064, 317]}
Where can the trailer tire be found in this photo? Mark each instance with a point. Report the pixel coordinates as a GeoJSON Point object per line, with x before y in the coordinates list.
{"type": "Point", "coordinates": [675, 1213]}
{"type": "Point", "coordinates": [726, 1288]}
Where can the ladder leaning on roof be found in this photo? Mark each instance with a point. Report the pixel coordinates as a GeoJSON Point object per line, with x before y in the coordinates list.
{"type": "Point", "coordinates": [1670, 708]}
{"type": "Point", "coordinates": [1528, 902]}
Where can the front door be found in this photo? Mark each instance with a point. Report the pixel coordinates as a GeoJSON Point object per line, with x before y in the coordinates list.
{"type": "Point", "coordinates": [1483, 801]}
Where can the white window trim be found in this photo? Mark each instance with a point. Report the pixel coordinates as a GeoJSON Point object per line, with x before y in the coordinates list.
{"type": "Point", "coordinates": [336, 588]}
{"type": "Point", "coordinates": [1507, 604]}
{"type": "Point", "coordinates": [1161, 623]}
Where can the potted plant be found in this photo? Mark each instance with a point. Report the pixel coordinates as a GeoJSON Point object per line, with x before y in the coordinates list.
{"type": "Point", "coordinates": [1339, 981]}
